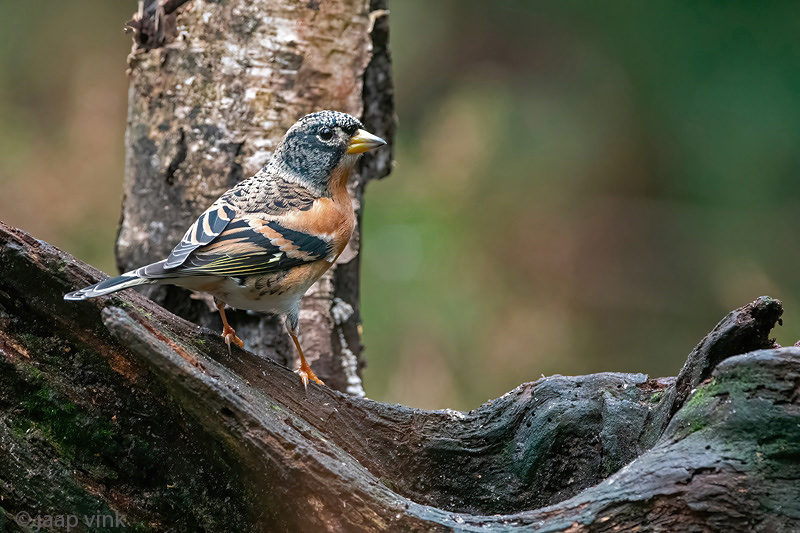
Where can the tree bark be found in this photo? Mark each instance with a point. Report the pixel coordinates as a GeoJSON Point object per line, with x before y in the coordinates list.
{"type": "Point", "coordinates": [115, 405]}
{"type": "Point", "coordinates": [214, 86]}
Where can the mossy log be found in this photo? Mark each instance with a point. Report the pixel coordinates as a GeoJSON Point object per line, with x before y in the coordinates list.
{"type": "Point", "coordinates": [115, 406]}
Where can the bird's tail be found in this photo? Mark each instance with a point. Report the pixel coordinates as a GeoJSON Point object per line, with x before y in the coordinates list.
{"type": "Point", "coordinates": [129, 279]}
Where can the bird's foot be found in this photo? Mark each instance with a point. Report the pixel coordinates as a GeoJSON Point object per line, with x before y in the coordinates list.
{"type": "Point", "coordinates": [306, 373]}
{"type": "Point", "coordinates": [229, 335]}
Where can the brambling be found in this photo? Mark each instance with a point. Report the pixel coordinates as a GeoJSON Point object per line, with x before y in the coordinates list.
{"type": "Point", "coordinates": [263, 243]}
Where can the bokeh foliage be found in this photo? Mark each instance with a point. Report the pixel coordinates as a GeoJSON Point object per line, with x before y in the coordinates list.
{"type": "Point", "coordinates": [580, 186]}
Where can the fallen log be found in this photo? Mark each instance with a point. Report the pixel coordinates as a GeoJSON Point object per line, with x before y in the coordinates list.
{"type": "Point", "coordinates": [116, 407]}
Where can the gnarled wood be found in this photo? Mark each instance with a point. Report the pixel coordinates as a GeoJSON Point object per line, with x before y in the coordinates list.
{"type": "Point", "coordinates": [121, 406]}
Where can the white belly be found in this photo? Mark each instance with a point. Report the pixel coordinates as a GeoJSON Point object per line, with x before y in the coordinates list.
{"type": "Point", "coordinates": [245, 297]}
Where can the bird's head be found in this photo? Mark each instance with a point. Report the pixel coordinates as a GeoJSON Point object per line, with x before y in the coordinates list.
{"type": "Point", "coordinates": [320, 143]}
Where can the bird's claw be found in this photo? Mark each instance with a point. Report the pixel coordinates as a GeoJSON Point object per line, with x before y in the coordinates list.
{"type": "Point", "coordinates": [229, 335]}
{"type": "Point", "coordinates": [306, 373]}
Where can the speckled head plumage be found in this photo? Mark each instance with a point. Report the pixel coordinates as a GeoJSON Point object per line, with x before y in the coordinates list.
{"type": "Point", "coordinates": [319, 143]}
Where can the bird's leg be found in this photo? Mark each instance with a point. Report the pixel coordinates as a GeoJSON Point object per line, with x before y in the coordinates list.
{"type": "Point", "coordinates": [304, 371]}
{"type": "Point", "coordinates": [228, 332]}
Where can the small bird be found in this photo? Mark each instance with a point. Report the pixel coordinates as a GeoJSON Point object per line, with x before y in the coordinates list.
{"type": "Point", "coordinates": [263, 243]}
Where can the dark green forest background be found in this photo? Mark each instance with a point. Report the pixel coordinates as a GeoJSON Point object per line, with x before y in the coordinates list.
{"type": "Point", "coordinates": [580, 186]}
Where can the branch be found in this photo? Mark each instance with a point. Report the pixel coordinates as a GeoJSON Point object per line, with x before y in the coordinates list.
{"type": "Point", "coordinates": [121, 406]}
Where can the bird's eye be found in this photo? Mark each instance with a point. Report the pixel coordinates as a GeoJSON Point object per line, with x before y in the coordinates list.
{"type": "Point", "coordinates": [325, 133]}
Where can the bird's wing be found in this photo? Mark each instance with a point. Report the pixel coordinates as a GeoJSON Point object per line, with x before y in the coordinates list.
{"type": "Point", "coordinates": [263, 194]}
{"type": "Point", "coordinates": [249, 245]}
{"type": "Point", "coordinates": [205, 229]}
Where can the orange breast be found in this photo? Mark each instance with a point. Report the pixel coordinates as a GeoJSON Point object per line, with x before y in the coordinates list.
{"type": "Point", "coordinates": [332, 217]}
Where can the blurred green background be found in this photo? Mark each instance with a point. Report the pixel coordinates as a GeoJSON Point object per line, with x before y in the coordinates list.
{"type": "Point", "coordinates": [580, 186]}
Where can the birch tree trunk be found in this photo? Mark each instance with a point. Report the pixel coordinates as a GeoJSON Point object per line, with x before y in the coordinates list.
{"type": "Point", "coordinates": [214, 85]}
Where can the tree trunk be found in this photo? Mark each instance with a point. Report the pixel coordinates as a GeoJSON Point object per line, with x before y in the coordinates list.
{"type": "Point", "coordinates": [214, 86]}
{"type": "Point", "coordinates": [115, 407]}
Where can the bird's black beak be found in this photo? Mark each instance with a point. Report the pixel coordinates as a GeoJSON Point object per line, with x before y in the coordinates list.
{"type": "Point", "coordinates": [363, 141]}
